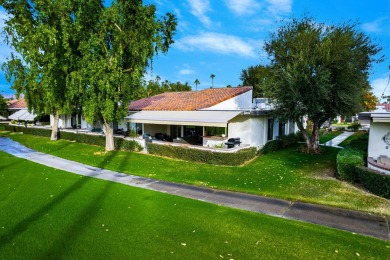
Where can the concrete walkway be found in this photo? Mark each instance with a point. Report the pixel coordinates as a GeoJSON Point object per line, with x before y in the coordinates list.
{"type": "Point", "coordinates": [338, 139]}
{"type": "Point", "coordinates": [353, 221]}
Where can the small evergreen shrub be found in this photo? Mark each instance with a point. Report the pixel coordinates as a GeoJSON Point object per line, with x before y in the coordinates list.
{"type": "Point", "coordinates": [203, 156]}
{"type": "Point", "coordinates": [272, 146]}
{"type": "Point", "coordinates": [283, 142]}
{"type": "Point", "coordinates": [376, 182]}
{"type": "Point", "coordinates": [354, 126]}
{"type": "Point", "coordinates": [347, 161]}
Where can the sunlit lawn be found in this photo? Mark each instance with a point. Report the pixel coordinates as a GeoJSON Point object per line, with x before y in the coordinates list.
{"type": "Point", "coordinates": [50, 214]}
{"type": "Point", "coordinates": [355, 136]}
{"type": "Point", "coordinates": [286, 174]}
{"type": "Point", "coordinates": [329, 136]}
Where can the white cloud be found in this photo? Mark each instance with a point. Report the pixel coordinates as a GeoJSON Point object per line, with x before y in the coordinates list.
{"type": "Point", "coordinates": [199, 8]}
{"type": "Point", "coordinates": [219, 43]}
{"type": "Point", "coordinates": [243, 7]}
{"type": "Point", "coordinates": [278, 7]}
{"type": "Point", "coordinates": [376, 26]}
{"type": "Point", "coordinates": [186, 72]}
{"type": "Point", "coordinates": [379, 85]}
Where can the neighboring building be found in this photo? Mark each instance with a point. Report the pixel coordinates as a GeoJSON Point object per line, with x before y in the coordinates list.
{"type": "Point", "coordinates": [17, 110]}
{"type": "Point", "coordinates": [379, 139]}
{"type": "Point", "coordinates": [15, 105]}
{"type": "Point", "coordinates": [208, 117]}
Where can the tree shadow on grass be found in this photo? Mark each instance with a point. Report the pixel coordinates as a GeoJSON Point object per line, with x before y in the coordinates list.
{"type": "Point", "coordinates": [59, 147]}
{"type": "Point", "coordinates": [23, 225]}
{"type": "Point", "coordinates": [68, 238]}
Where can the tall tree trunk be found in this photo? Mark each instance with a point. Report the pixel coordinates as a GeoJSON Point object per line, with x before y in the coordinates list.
{"type": "Point", "coordinates": [315, 139]}
{"type": "Point", "coordinates": [109, 136]}
{"type": "Point", "coordinates": [54, 129]}
{"type": "Point", "coordinates": [312, 141]}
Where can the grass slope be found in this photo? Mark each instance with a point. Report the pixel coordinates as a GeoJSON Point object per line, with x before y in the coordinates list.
{"type": "Point", "coordinates": [286, 174]}
{"type": "Point", "coordinates": [50, 214]}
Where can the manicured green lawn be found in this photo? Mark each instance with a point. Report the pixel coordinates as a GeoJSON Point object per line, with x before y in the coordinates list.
{"type": "Point", "coordinates": [356, 136]}
{"type": "Point", "coordinates": [329, 136]}
{"type": "Point", "coordinates": [51, 214]}
{"type": "Point", "coordinates": [286, 174]}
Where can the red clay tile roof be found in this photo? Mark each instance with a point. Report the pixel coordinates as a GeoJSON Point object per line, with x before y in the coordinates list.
{"type": "Point", "coordinates": [187, 100]}
{"type": "Point", "coordinates": [17, 103]}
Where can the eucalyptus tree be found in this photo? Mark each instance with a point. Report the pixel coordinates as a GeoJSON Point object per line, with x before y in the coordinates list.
{"type": "Point", "coordinates": [319, 71]}
{"type": "Point", "coordinates": [45, 36]}
{"type": "Point", "coordinates": [118, 50]}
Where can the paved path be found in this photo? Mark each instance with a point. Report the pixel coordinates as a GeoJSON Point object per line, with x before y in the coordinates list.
{"type": "Point", "coordinates": [338, 139]}
{"type": "Point", "coordinates": [353, 221]}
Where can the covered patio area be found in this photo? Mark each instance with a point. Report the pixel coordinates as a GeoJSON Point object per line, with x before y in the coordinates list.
{"type": "Point", "coordinates": [205, 128]}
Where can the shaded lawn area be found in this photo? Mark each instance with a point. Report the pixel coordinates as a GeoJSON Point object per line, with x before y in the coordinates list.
{"type": "Point", "coordinates": [50, 214]}
{"type": "Point", "coordinates": [286, 174]}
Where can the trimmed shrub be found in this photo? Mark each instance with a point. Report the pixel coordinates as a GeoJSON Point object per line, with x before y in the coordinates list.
{"type": "Point", "coordinates": [360, 144]}
{"type": "Point", "coordinates": [354, 126]}
{"type": "Point", "coordinates": [375, 182]}
{"type": "Point", "coordinates": [283, 142]}
{"type": "Point", "coordinates": [272, 146]}
{"type": "Point", "coordinates": [203, 156]}
{"type": "Point", "coordinates": [99, 140]}
{"type": "Point", "coordinates": [28, 130]}
{"type": "Point", "coordinates": [347, 161]}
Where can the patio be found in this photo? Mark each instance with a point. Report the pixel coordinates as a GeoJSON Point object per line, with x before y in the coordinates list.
{"type": "Point", "coordinates": [381, 164]}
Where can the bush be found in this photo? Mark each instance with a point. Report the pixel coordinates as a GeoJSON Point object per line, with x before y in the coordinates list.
{"type": "Point", "coordinates": [375, 182]}
{"type": "Point", "coordinates": [203, 156]}
{"type": "Point", "coordinates": [272, 146]}
{"type": "Point", "coordinates": [283, 142]}
{"type": "Point", "coordinates": [347, 161]}
{"type": "Point", "coordinates": [99, 140]}
{"type": "Point", "coordinates": [354, 126]}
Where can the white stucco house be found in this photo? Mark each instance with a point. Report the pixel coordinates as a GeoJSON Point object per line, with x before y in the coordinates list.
{"type": "Point", "coordinates": [379, 139]}
{"type": "Point", "coordinates": [17, 110]}
{"type": "Point", "coordinates": [208, 117]}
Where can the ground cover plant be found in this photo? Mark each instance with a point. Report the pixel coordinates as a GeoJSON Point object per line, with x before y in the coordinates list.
{"type": "Point", "coordinates": [286, 174]}
{"type": "Point", "coordinates": [50, 214]}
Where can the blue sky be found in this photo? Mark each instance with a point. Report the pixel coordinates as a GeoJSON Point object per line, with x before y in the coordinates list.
{"type": "Point", "coordinates": [223, 37]}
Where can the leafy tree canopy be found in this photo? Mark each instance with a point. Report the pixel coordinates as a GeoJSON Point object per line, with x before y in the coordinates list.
{"type": "Point", "coordinates": [319, 71]}
{"type": "Point", "coordinates": [3, 106]}
{"type": "Point", "coordinates": [155, 87]}
{"type": "Point", "coordinates": [257, 77]}
{"type": "Point", "coordinates": [120, 46]}
{"type": "Point", "coordinates": [45, 37]}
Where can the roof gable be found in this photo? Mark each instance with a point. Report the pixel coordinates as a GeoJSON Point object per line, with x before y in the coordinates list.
{"type": "Point", "coordinates": [17, 103]}
{"type": "Point", "coordinates": [187, 100]}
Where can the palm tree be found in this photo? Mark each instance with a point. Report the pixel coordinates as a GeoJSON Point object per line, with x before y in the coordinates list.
{"type": "Point", "coordinates": [212, 76]}
{"type": "Point", "coordinates": [196, 82]}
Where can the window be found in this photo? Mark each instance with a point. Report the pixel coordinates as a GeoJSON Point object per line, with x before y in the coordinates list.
{"type": "Point", "coordinates": [282, 128]}
{"type": "Point", "coordinates": [270, 129]}
{"type": "Point", "coordinates": [214, 131]}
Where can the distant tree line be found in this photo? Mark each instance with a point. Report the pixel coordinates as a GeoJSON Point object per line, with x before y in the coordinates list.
{"type": "Point", "coordinates": [148, 88]}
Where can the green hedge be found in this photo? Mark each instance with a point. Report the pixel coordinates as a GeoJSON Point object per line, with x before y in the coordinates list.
{"type": "Point", "coordinates": [283, 142]}
{"type": "Point", "coordinates": [99, 140]}
{"type": "Point", "coordinates": [203, 156]}
{"type": "Point", "coordinates": [375, 182]}
{"type": "Point", "coordinates": [347, 161]}
{"type": "Point", "coordinates": [27, 130]}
